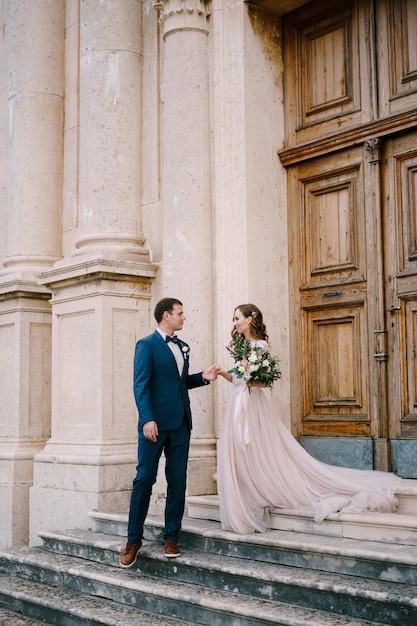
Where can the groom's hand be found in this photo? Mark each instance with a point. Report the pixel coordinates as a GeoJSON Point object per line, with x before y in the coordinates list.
{"type": "Point", "coordinates": [150, 430]}
{"type": "Point", "coordinates": [210, 373]}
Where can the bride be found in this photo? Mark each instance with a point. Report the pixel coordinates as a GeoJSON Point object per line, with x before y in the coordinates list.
{"type": "Point", "coordinates": [261, 465]}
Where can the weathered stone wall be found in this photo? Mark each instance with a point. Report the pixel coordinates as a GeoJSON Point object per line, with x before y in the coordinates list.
{"type": "Point", "coordinates": [138, 158]}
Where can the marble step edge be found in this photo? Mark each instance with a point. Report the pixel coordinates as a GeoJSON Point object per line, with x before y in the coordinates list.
{"type": "Point", "coordinates": [383, 527]}
{"type": "Point", "coordinates": [200, 604]}
{"type": "Point", "coordinates": [203, 535]}
{"type": "Point", "coordinates": [406, 494]}
{"type": "Point", "coordinates": [295, 527]}
{"type": "Point", "coordinates": [278, 539]}
{"type": "Point", "coordinates": [48, 602]}
{"type": "Point", "coordinates": [204, 607]}
{"type": "Point", "coordinates": [76, 543]}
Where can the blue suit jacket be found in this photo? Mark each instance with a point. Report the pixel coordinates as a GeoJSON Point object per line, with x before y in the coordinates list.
{"type": "Point", "coordinates": [161, 394]}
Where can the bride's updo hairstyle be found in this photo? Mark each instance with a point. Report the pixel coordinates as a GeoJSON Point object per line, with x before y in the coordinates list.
{"type": "Point", "coordinates": [258, 328]}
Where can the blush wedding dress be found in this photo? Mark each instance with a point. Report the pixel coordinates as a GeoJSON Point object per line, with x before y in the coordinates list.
{"type": "Point", "coordinates": [262, 466]}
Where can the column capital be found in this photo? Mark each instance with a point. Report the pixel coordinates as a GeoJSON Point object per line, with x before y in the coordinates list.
{"type": "Point", "coordinates": [373, 147]}
{"type": "Point", "coordinates": [176, 15]}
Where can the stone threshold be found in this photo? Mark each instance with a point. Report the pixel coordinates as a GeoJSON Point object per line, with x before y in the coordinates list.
{"type": "Point", "coordinates": [394, 528]}
{"type": "Point", "coordinates": [399, 527]}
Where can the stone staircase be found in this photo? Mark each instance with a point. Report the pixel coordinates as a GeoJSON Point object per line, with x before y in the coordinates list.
{"type": "Point", "coordinates": [301, 574]}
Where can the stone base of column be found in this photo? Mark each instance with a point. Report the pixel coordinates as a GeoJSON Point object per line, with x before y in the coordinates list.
{"type": "Point", "coordinates": [202, 467]}
{"type": "Point", "coordinates": [100, 308]}
{"type": "Point", "coordinates": [25, 407]}
{"type": "Point", "coordinates": [16, 471]}
{"type": "Point", "coordinates": [70, 481]}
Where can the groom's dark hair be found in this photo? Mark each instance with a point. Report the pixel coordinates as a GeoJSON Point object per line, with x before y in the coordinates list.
{"type": "Point", "coordinates": [166, 304]}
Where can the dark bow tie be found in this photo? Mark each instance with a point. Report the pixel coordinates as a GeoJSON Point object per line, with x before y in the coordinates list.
{"type": "Point", "coordinates": [174, 338]}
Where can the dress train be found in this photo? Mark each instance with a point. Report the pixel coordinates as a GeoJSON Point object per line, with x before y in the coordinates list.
{"type": "Point", "coordinates": [262, 466]}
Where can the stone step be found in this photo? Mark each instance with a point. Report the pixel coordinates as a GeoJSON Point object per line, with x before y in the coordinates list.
{"type": "Point", "coordinates": [407, 497]}
{"type": "Point", "coordinates": [345, 594]}
{"type": "Point", "coordinates": [8, 617]}
{"type": "Point", "coordinates": [367, 559]}
{"type": "Point", "coordinates": [399, 528]}
{"type": "Point", "coordinates": [62, 586]}
{"type": "Point", "coordinates": [55, 605]}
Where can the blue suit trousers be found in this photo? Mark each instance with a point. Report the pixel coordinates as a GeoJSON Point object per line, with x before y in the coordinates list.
{"type": "Point", "coordinates": [175, 445]}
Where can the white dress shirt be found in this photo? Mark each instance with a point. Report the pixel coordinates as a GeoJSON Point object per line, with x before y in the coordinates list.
{"type": "Point", "coordinates": [176, 351]}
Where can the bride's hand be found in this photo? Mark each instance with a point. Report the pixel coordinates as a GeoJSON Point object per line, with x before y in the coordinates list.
{"type": "Point", "coordinates": [222, 372]}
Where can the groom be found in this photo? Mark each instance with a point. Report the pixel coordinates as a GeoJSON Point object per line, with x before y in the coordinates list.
{"type": "Point", "coordinates": [161, 384]}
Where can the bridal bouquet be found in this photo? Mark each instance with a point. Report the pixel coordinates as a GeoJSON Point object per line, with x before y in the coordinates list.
{"type": "Point", "coordinates": [253, 363]}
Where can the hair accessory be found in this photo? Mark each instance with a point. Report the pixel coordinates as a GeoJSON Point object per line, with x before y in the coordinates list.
{"type": "Point", "coordinates": [254, 314]}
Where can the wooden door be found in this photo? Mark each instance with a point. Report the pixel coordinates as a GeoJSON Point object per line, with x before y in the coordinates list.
{"type": "Point", "coordinates": [351, 156]}
{"type": "Point", "coordinates": [339, 338]}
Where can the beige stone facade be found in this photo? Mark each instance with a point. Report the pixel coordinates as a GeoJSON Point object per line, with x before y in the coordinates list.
{"type": "Point", "coordinates": [138, 159]}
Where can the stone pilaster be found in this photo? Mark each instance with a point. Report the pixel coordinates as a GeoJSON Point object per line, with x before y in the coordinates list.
{"type": "Point", "coordinates": [249, 183]}
{"type": "Point", "coordinates": [32, 102]}
{"type": "Point", "coordinates": [187, 269]}
{"type": "Point", "coordinates": [101, 288]}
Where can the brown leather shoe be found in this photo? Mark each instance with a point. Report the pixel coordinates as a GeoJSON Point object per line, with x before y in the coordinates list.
{"type": "Point", "coordinates": [171, 549]}
{"type": "Point", "coordinates": [130, 554]}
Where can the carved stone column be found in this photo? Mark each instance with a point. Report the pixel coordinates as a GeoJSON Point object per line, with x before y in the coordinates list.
{"type": "Point", "coordinates": [32, 75]}
{"type": "Point", "coordinates": [36, 86]}
{"type": "Point", "coordinates": [101, 288]}
{"type": "Point", "coordinates": [109, 181]}
{"type": "Point", "coordinates": [187, 270]}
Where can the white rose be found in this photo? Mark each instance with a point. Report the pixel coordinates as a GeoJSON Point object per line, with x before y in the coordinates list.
{"type": "Point", "coordinates": [252, 357]}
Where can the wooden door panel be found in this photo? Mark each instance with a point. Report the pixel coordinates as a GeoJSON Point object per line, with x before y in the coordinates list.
{"type": "Point", "coordinates": [409, 365]}
{"type": "Point", "coordinates": [327, 71]}
{"type": "Point", "coordinates": [335, 397]}
{"type": "Point", "coordinates": [400, 193]}
{"type": "Point", "coordinates": [324, 46]}
{"type": "Point", "coordinates": [331, 226]}
{"type": "Point", "coordinates": [397, 58]}
{"type": "Point", "coordinates": [406, 184]}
